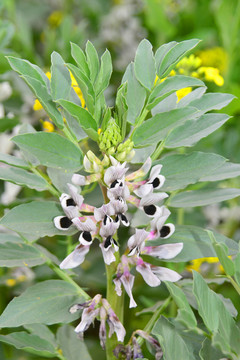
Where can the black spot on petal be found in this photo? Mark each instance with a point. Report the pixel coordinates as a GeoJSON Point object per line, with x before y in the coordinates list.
{"type": "Point", "coordinates": [113, 184]}
{"type": "Point", "coordinates": [108, 242]}
{"type": "Point", "coordinates": [65, 222]}
{"type": "Point", "coordinates": [105, 220]}
{"type": "Point", "coordinates": [117, 219]}
{"type": "Point", "coordinates": [87, 236]}
{"type": "Point", "coordinates": [156, 182]}
{"type": "Point", "coordinates": [150, 209]}
{"type": "Point", "coordinates": [70, 202]}
{"type": "Point", "coordinates": [124, 219]}
{"type": "Point", "coordinates": [165, 231]}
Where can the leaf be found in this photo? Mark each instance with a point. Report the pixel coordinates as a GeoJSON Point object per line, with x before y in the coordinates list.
{"type": "Point", "coordinates": [212, 101]}
{"type": "Point", "coordinates": [71, 345]}
{"type": "Point", "coordinates": [156, 128]}
{"type": "Point", "coordinates": [92, 61]}
{"type": "Point", "coordinates": [60, 78]}
{"type": "Point", "coordinates": [34, 219]}
{"type": "Point", "coordinates": [209, 352]}
{"type": "Point", "coordinates": [166, 333]}
{"type": "Point", "coordinates": [85, 85]}
{"type": "Point", "coordinates": [174, 55]}
{"type": "Point", "coordinates": [185, 313]}
{"type": "Point", "coordinates": [51, 150]}
{"type": "Point", "coordinates": [162, 51]}
{"type": "Point", "coordinates": [80, 58]}
{"type": "Point", "coordinates": [193, 95]}
{"type": "Point", "coordinates": [45, 99]}
{"type": "Point", "coordinates": [216, 317]}
{"type": "Point", "coordinates": [144, 64]}
{"type": "Point", "coordinates": [196, 243]}
{"type": "Point", "coordinates": [42, 331]}
{"type": "Point", "coordinates": [7, 124]}
{"type": "Point", "coordinates": [181, 170]}
{"type": "Point", "coordinates": [84, 118]}
{"type": "Point", "coordinates": [25, 68]}
{"type": "Point", "coordinates": [222, 253]}
{"type": "Point", "coordinates": [13, 160]}
{"type": "Point", "coordinates": [104, 74]}
{"type": "Point", "coordinates": [23, 177]}
{"type": "Point", "coordinates": [227, 170]}
{"type": "Point", "coordinates": [170, 85]}
{"type": "Point", "coordinates": [5, 238]}
{"type": "Point", "coordinates": [30, 343]}
{"type": "Point", "coordinates": [167, 104]}
{"type": "Point", "coordinates": [60, 178]}
{"type": "Point", "coordinates": [19, 254]}
{"type": "Point", "coordinates": [47, 302]}
{"type": "Point", "coordinates": [203, 197]}
{"type": "Point", "coordinates": [192, 131]}
{"type": "Point", "coordinates": [136, 94]}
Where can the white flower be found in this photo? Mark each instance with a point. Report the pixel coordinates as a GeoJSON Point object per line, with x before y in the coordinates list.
{"type": "Point", "coordinates": [154, 182]}
{"type": "Point", "coordinates": [76, 257]}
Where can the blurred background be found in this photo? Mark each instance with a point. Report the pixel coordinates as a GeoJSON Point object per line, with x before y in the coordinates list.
{"type": "Point", "coordinates": [33, 29]}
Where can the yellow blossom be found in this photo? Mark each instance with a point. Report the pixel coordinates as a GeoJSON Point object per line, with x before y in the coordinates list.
{"type": "Point", "coordinates": [47, 126]}
{"type": "Point", "coordinates": [211, 74]}
{"type": "Point", "coordinates": [11, 282]}
{"type": "Point", "coordinates": [37, 105]}
{"type": "Point", "coordinates": [183, 92]}
{"type": "Point", "coordinates": [196, 264]}
{"type": "Point", "coordinates": [215, 57]}
{"type": "Point", "coordinates": [55, 18]}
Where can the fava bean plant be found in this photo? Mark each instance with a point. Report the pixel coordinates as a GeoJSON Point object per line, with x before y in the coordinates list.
{"type": "Point", "coordinates": [110, 177]}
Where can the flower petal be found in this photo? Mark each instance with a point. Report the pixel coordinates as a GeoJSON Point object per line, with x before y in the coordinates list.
{"type": "Point", "coordinates": [166, 274]}
{"type": "Point", "coordinates": [147, 274]}
{"type": "Point", "coordinates": [62, 222]}
{"type": "Point", "coordinates": [166, 251]}
{"type": "Point", "coordinates": [75, 258]}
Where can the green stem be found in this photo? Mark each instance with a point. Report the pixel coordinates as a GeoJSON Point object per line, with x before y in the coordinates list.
{"type": "Point", "coordinates": [234, 284]}
{"type": "Point", "coordinates": [154, 318]}
{"type": "Point", "coordinates": [115, 301]}
{"type": "Point", "coordinates": [70, 136]}
{"type": "Point", "coordinates": [180, 216]}
{"type": "Point", "coordinates": [63, 275]}
{"type": "Point", "coordinates": [155, 155]}
{"type": "Point", "coordinates": [51, 188]}
{"type": "Point", "coordinates": [139, 121]}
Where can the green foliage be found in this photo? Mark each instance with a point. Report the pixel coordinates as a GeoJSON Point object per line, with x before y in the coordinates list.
{"type": "Point", "coordinates": [47, 303]}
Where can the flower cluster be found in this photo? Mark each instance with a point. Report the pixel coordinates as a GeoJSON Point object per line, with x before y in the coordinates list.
{"type": "Point", "coordinates": [122, 189]}
{"type": "Point", "coordinates": [99, 308]}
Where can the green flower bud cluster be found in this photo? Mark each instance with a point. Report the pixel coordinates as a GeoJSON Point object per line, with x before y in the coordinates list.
{"type": "Point", "coordinates": [125, 151]}
{"type": "Point", "coordinates": [110, 138]}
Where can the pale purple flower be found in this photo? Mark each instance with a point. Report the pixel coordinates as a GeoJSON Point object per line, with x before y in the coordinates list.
{"type": "Point", "coordinates": [114, 323]}
{"type": "Point", "coordinates": [87, 227]}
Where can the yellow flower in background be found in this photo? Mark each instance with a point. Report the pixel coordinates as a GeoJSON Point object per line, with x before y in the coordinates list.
{"type": "Point", "coordinates": [215, 57]}
{"type": "Point", "coordinates": [211, 74]}
{"type": "Point", "coordinates": [183, 92]}
{"type": "Point", "coordinates": [77, 89]}
{"type": "Point", "coordinates": [47, 125]}
{"type": "Point", "coordinates": [196, 264]}
{"type": "Point", "coordinates": [193, 66]}
{"type": "Point", "coordinates": [55, 18]}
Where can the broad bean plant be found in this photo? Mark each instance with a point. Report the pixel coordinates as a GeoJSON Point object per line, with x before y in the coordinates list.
{"type": "Point", "coordinates": [110, 177]}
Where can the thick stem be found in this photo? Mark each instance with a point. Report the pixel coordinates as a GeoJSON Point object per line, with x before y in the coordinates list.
{"type": "Point", "coordinates": [115, 301]}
